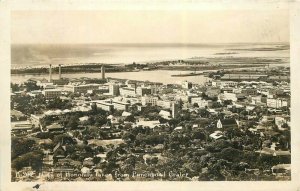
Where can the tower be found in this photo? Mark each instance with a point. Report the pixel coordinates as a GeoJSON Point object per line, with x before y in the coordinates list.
{"type": "Point", "coordinates": [59, 71]}
{"type": "Point", "coordinates": [103, 72]}
{"type": "Point", "coordinates": [50, 73]}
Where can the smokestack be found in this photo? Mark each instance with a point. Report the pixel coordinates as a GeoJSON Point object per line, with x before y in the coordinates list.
{"type": "Point", "coordinates": [50, 73]}
{"type": "Point", "coordinates": [59, 71]}
{"type": "Point", "coordinates": [103, 72]}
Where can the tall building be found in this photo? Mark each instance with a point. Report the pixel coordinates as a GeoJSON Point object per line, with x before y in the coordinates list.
{"type": "Point", "coordinates": [114, 89]}
{"type": "Point", "coordinates": [175, 109]}
{"type": "Point", "coordinates": [103, 72]}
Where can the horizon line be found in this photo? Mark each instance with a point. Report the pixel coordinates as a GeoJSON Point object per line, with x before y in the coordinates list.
{"type": "Point", "coordinates": [150, 43]}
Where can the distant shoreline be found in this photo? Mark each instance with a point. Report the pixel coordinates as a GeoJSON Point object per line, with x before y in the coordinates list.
{"type": "Point", "coordinates": [199, 64]}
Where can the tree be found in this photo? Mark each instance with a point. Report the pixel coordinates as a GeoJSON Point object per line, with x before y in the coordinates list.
{"type": "Point", "coordinates": [180, 104]}
{"type": "Point", "coordinates": [198, 134]}
{"type": "Point", "coordinates": [100, 120]}
{"type": "Point", "coordinates": [66, 139]}
{"type": "Point", "coordinates": [33, 159]}
{"type": "Point", "coordinates": [130, 118]}
{"type": "Point", "coordinates": [14, 87]}
{"type": "Point", "coordinates": [73, 122]}
{"type": "Point", "coordinates": [96, 160]}
{"type": "Point", "coordinates": [31, 85]}
{"type": "Point", "coordinates": [21, 146]}
{"type": "Point", "coordinates": [227, 102]}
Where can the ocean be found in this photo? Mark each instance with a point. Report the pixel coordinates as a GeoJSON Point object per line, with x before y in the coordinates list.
{"type": "Point", "coordinates": [40, 55]}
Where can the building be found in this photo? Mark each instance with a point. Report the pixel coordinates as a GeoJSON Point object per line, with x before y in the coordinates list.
{"type": "Point", "coordinates": [141, 91]}
{"type": "Point", "coordinates": [21, 126]}
{"type": "Point", "coordinates": [81, 88]}
{"type": "Point", "coordinates": [227, 123]}
{"type": "Point", "coordinates": [36, 119]}
{"type": "Point", "coordinates": [128, 92]}
{"type": "Point", "coordinates": [101, 90]}
{"type": "Point", "coordinates": [52, 93]}
{"type": "Point", "coordinates": [114, 89]}
{"type": "Point", "coordinates": [34, 93]}
{"type": "Point", "coordinates": [53, 127]}
{"type": "Point", "coordinates": [104, 105]}
{"type": "Point", "coordinates": [165, 114]}
{"type": "Point", "coordinates": [216, 135]}
{"type": "Point", "coordinates": [256, 99]}
{"type": "Point", "coordinates": [201, 102]}
{"type": "Point", "coordinates": [120, 105]}
{"type": "Point", "coordinates": [212, 92]}
{"type": "Point", "coordinates": [149, 100]}
{"type": "Point", "coordinates": [241, 77]}
{"type": "Point", "coordinates": [175, 109]}
{"type": "Point", "coordinates": [249, 91]}
{"type": "Point", "coordinates": [186, 85]}
{"type": "Point", "coordinates": [280, 121]}
{"type": "Point", "coordinates": [277, 103]}
{"type": "Point", "coordinates": [166, 104]}
{"type": "Point", "coordinates": [281, 169]}
{"type": "Point", "coordinates": [219, 83]}
{"type": "Point", "coordinates": [230, 96]}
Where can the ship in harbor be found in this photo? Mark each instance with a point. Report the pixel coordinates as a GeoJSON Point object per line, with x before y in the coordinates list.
{"type": "Point", "coordinates": [188, 74]}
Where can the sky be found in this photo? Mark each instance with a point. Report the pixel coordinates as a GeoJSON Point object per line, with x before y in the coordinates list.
{"type": "Point", "coordinates": [173, 26]}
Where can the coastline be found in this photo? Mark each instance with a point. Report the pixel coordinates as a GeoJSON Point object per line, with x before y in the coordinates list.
{"type": "Point", "coordinates": [199, 64]}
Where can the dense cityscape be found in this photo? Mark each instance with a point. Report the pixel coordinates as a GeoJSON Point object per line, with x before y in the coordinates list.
{"type": "Point", "coordinates": [234, 127]}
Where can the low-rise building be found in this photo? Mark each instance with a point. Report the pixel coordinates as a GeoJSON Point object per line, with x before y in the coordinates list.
{"type": "Point", "coordinates": [277, 103]}
{"type": "Point", "coordinates": [151, 100]}
{"type": "Point", "coordinates": [128, 92]}
{"type": "Point", "coordinates": [141, 91]}
{"type": "Point", "coordinates": [120, 105]}
{"type": "Point", "coordinates": [52, 93]}
{"type": "Point", "coordinates": [81, 88]}
{"type": "Point", "coordinates": [227, 123]}
{"type": "Point", "coordinates": [106, 106]}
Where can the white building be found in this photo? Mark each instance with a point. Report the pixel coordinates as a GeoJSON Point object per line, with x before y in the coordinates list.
{"type": "Point", "coordinates": [114, 89]}
{"type": "Point", "coordinates": [165, 114]}
{"type": "Point", "coordinates": [230, 96]}
{"type": "Point", "coordinates": [81, 88]}
{"type": "Point", "coordinates": [120, 105]}
{"type": "Point", "coordinates": [52, 93]}
{"type": "Point", "coordinates": [128, 92]}
{"type": "Point", "coordinates": [276, 103]}
{"type": "Point", "coordinates": [104, 105]}
{"type": "Point", "coordinates": [166, 104]}
{"type": "Point", "coordinates": [186, 85]}
{"type": "Point", "coordinates": [224, 83]}
{"type": "Point", "coordinates": [201, 102]}
{"type": "Point", "coordinates": [152, 100]}
{"type": "Point", "coordinates": [141, 91]}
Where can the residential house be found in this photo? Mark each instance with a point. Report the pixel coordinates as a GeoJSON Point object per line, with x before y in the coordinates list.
{"type": "Point", "coordinates": [227, 123]}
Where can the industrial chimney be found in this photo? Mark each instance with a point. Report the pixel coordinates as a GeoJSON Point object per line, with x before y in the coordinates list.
{"type": "Point", "coordinates": [103, 72]}
{"type": "Point", "coordinates": [59, 71]}
{"type": "Point", "coordinates": [50, 73]}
